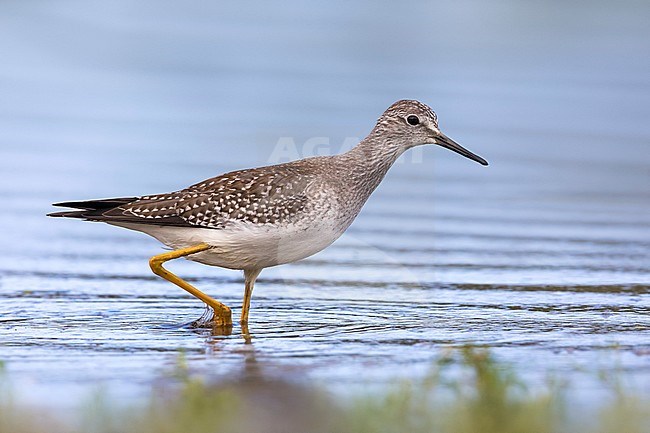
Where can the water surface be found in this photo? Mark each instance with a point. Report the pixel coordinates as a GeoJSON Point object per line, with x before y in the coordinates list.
{"type": "Point", "coordinates": [544, 256]}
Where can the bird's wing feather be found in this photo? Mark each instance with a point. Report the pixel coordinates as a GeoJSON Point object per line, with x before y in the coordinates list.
{"type": "Point", "coordinates": [257, 196]}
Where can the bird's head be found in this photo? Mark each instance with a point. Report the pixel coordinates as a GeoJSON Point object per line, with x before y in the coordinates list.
{"type": "Point", "coordinates": [412, 123]}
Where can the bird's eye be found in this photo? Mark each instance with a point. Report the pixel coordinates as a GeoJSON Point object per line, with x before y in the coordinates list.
{"type": "Point", "coordinates": [413, 120]}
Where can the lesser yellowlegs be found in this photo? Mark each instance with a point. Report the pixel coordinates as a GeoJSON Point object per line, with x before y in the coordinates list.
{"type": "Point", "coordinates": [267, 216]}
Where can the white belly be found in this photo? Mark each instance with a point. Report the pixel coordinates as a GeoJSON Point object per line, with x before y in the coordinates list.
{"type": "Point", "coordinates": [247, 246]}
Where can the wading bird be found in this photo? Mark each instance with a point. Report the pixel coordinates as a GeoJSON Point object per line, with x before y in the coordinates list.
{"type": "Point", "coordinates": [267, 216]}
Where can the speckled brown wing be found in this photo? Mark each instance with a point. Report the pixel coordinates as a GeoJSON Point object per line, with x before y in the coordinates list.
{"type": "Point", "coordinates": [258, 196]}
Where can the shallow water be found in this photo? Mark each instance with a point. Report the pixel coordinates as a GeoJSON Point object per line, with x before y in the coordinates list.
{"type": "Point", "coordinates": [544, 256]}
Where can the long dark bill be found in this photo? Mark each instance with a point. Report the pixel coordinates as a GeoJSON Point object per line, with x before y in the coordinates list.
{"type": "Point", "coordinates": [450, 144]}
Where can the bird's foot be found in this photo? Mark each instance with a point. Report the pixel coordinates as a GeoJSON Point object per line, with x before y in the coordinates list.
{"type": "Point", "coordinates": [220, 322]}
{"type": "Point", "coordinates": [205, 321]}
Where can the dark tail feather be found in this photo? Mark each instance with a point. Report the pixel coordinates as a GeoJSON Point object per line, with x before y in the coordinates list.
{"type": "Point", "coordinates": [69, 214]}
{"type": "Point", "coordinates": [90, 208]}
{"type": "Point", "coordinates": [108, 203]}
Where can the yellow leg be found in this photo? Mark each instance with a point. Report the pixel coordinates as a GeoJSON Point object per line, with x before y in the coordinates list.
{"type": "Point", "coordinates": [245, 333]}
{"type": "Point", "coordinates": [249, 276]}
{"type": "Point", "coordinates": [222, 314]}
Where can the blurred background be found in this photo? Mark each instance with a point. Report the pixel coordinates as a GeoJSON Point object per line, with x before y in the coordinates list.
{"type": "Point", "coordinates": [544, 256]}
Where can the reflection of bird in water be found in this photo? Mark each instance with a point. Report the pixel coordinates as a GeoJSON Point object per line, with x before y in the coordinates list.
{"type": "Point", "coordinates": [263, 396]}
{"type": "Point", "coordinates": [262, 217]}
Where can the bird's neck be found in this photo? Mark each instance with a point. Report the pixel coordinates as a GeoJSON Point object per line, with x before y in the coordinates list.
{"type": "Point", "coordinates": [370, 160]}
